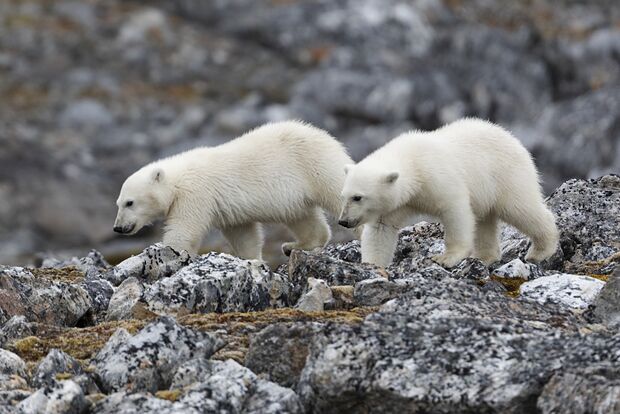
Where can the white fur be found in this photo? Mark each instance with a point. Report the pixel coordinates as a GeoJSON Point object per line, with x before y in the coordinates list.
{"type": "Point", "coordinates": [469, 174]}
{"type": "Point", "coordinates": [285, 172]}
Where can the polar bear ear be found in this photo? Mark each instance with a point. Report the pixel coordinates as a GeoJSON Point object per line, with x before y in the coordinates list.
{"type": "Point", "coordinates": [347, 168]}
{"type": "Point", "coordinates": [157, 176]}
{"type": "Point", "coordinates": [391, 177]}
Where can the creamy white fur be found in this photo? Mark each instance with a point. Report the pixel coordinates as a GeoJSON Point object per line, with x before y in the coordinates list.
{"type": "Point", "coordinates": [469, 174]}
{"type": "Point", "coordinates": [286, 172]}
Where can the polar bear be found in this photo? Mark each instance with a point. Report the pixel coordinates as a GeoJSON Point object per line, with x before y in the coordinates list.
{"type": "Point", "coordinates": [287, 172]}
{"type": "Point", "coordinates": [469, 174]}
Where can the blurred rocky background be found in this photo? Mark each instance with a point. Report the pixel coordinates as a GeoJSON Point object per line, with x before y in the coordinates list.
{"type": "Point", "coordinates": [91, 90]}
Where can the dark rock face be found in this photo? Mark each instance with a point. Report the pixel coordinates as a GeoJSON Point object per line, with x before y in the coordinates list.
{"type": "Point", "coordinates": [147, 361]}
{"type": "Point", "coordinates": [279, 351]}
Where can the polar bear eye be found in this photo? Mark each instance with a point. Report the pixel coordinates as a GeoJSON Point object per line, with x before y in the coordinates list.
{"type": "Point", "coordinates": [356, 198]}
{"type": "Point", "coordinates": [129, 204]}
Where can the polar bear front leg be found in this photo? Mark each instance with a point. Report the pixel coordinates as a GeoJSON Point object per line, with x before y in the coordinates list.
{"type": "Point", "coordinates": [458, 223]}
{"type": "Point", "coordinates": [184, 234]}
{"type": "Point", "coordinates": [310, 231]}
{"type": "Point", "coordinates": [379, 243]}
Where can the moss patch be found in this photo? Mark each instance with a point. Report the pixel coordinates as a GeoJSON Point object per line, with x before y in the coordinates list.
{"type": "Point", "coordinates": [235, 327]}
{"type": "Point", "coordinates": [69, 274]}
{"type": "Point", "coordinates": [170, 395]}
{"type": "Point", "coordinates": [512, 284]}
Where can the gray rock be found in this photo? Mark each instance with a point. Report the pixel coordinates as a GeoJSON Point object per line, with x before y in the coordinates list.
{"type": "Point", "coordinates": [303, 265]}
{"type": "Point", "coordinates": [471, 268]}
{"type": "Point", "coordinates": [518, 269]}
{"type": "Point", "coordinates": [138, 403]}
{"type": "Point", "coordinates": [402, 358]}
{"type": "Point", "coordinates": [21, 293]}
{"type": "Point", "coordinates": [64, 397]}
{"type": "Point", "coordinates": [10, 399]}
{"type": "Point", "coordinates": [374, 292]}
{"type": "Point", "coordinates": [147, 361]}
{"type": "Point", "coordinates": [316, 297]}
{"type": "Point", "coordinates": [15, 328]}
{"type": "Point", "coordinates": [93, 262]}
{"type": "Point", "coordinates": [278, 352]}
{"type": "Point", "coordinates": [572, 291]}
{"type": "Point", "coordinates": [593, 389]}
{"type": "Point", "coordinates": [11, 364]}
{"type": "Point", "coordinates": [155, 262]}
{"type": "Point", "coordinates": [12, 382]}
{"type": "Point", "coordinates": [100, 292]}
{"type": "Point", "coordinates": [607, 303]}
{"type": "Point", "coordinates": [216, 386]}
{"type": "Point", "coordinates": [218, 282]}
{"type": "Point", "coordinates": [124, 300]}
{"type": "Point", "coordinates": [56, 362]}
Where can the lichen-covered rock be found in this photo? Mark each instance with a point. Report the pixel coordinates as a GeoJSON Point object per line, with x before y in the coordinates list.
{"type": "Point", "coordinates": [147, 361]}
{"type": "Point", "coordinates": [91, 264]}
{"type": "Point", "coordinates": [316, 297]}
{"type": "Point", "coordinates": [10, 399]}
{"type": "Point", "coordinates": [11, 364]}
{"type": "Point", "coordinates": [125, 299]}
{"type": "Point", "coordinates": [15, 328]}
{"type": "Point", "coordinates": [373, 292]}
{"type": "Point", "coordinates": [279, 351]}
{"type": "Point", "coordinates": [607, 303]}
{"type": "Point", "coordinates": [471, 268]}
{"type": "Point", "coordinates": [155, 262]}
{"type": "Point", "coordinates": [56, 362]}
{"type": "Point", "coordinates": [446, 346]}
{"type": "Point", "coordinates": [572, 291]}
{"type": "Point", "coordinates": [138, 403]}
{"type": "Point", "coordinates": [100, 292]}
{"type": "Point", "coordinates": [64, 397]}
{"type": "Point", "coordinates": [40, 299]}
{"type": "Point", "coordinates": [216, 386]}
{"type": "Point", "coordinates": [12, 382]}
{"type": "Point", "coordinates": [592, 389]}
{"type": "Point", "coordinates": [303, 265]}
{"type": "Point", "coordinates": [218, 282]}
{"type": "Point", "coordinates": [518, 269]}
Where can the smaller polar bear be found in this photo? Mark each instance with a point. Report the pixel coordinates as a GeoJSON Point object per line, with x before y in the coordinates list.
{"type": "Point", "coordinates": [469, 174]}
{"type": "Point", "coordinates": [286, 172]}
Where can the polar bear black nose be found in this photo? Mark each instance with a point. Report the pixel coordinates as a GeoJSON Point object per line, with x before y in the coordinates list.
{"type": "Point", "coordinates": [118, 229]}
{"type": "Point", "coordinates": [343, 223]}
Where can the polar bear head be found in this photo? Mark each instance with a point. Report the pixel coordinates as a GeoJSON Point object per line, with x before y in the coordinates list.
{"type": "Point", "coordinates": [368, 193]}
{"type": "Point", "coordinates": [145, 197]}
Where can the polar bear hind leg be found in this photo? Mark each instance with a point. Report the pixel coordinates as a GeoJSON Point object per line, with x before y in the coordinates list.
{"type": "Point", "coordinates": [487, 239]}
{"type": "Point", "coordinates": [310, 231]}
{"type": "Point", "coordinates": [246, 240]}
{"type": "Point", "coordinates": [537, 222]}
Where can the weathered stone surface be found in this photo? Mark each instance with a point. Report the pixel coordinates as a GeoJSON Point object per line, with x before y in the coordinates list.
{"type": "Point", "coordinates": [373, 292]}
{"type": "Point", "coordinates": [147, 360]}
{"type": "Point", "coordinates": [64, 397]}
{"type": "Point", "coordinates": [279, 351]}
{"type": "Point", "coordinates": [218, 282]}
{"type": "Point", "coordinates": [56, 362]}
{"type": "Point", "coordinates": [137, 403]}
{"type": "Point", "coordinates": [592, 389]}
{"type": "Point", "coordinates": [572, 291]}
{"type": "Point", "coordinates": [155, 262]}
{"type": "Point", "coordinates": [447, 347]}
{"type": "Point", "coordinates": [11, 364]}
{"type": "Point", "coordinates": [125, 300]}
{"type": "Point", "coordinates": [518, 269]}
{"type": "Point", "coordinates": [303, 265]}
{"type": "Point", "coordinates": [40, 299]}
{"type": "Point", "coordinates": [216, 386]}
{"type": "Point", "coordinates": [15, 328]}
{"type": "Point", "coordinates": [607, 303]}
{"type": "Point", "coordinates": [316, 297]}
{"type": "Point", "coordinates": [91, 264]}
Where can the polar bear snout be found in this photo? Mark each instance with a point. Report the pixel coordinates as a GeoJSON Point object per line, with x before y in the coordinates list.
{"type": "Point", "coordinates": [124, 229]}
{"type": "Point", "coordinates": [348, 223]}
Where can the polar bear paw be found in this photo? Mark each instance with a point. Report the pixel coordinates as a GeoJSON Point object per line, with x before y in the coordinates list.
{"type": "Point", "coordinates": [449, 259]}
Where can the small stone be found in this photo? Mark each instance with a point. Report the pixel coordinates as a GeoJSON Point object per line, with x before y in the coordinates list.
{"type": "Point", "coordinates": [518, 269]}
{"type": "Point", "coordinates": [572, 291]}
{"type": "Point", "coordinates": [125, 299]}
{"type": "Point", "coordinates": [315, 298]}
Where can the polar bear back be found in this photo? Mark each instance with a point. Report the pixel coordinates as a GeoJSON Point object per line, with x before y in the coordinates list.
{"type": "Point", "coordinates": [270, 174]}
{"type": "Point", "coordinates": [469, 155]}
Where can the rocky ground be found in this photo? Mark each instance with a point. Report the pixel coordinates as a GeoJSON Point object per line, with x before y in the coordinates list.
{"type": "Point", "coordinates": [163, 332]}
{"type": "Point", "coordinates": [93, 89]}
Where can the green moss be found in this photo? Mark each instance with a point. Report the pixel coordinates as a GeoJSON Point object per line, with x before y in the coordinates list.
{"type": "Point", "coordinates": [67, 274]}
{"type": "Point", "coordinates": [170, 395]}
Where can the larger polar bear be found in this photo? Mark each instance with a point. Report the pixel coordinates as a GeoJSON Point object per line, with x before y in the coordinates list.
{"type": "Point", "coordinates": [470, 174]}
{"type": "Point", "coordinates": [286, 172]}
